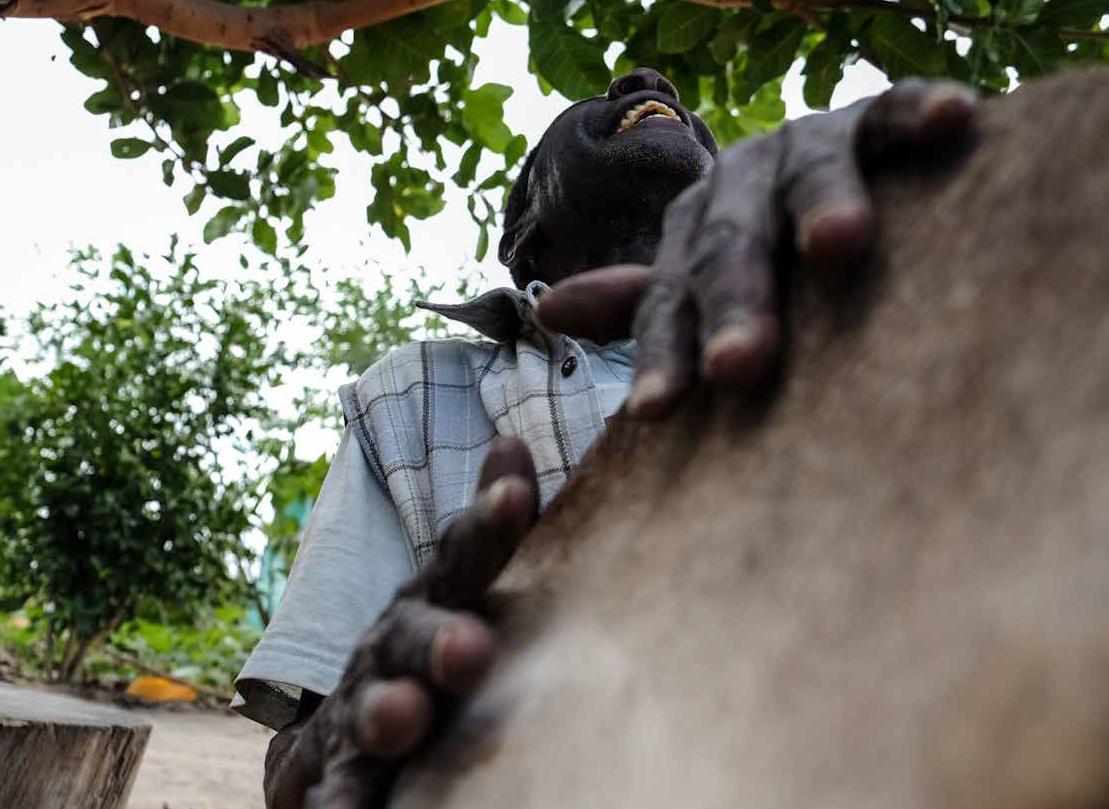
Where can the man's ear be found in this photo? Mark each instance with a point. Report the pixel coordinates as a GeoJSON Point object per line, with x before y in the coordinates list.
{"type": "Point", "coordinates": [515, 241]}
{"type": "Point", "coordinates": [521, 219]}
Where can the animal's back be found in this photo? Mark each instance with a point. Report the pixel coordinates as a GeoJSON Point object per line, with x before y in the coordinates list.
{"type": "Point", "coordinates": [889, 588]}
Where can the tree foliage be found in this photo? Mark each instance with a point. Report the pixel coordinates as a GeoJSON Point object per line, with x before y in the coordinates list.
{"type": "Point", "coordinates": [402, 92]}
{"type": "Point", "coordinates": [137, 448]}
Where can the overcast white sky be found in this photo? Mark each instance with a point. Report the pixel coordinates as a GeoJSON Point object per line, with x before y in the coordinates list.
{"type": "Point", "coordinates": [60, 186]}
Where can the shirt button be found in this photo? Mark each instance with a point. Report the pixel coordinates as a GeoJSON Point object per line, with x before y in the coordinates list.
{"type": "Point", "coordinates": [569, 365]}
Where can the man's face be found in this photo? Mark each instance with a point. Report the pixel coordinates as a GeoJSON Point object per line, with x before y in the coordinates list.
{"type": "Point", "coordinates": [595, 189]}
{"type": "Point", "coordinates": [635, 145]}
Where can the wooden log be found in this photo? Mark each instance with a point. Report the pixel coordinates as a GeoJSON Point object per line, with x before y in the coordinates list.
{"type": "Point", "coordinates": [59, 752]}
{"type": "Point", "coordinates": [887, 587]}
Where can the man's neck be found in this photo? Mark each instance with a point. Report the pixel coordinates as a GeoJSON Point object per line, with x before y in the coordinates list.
{"type": "Point", "coordinates": [619, 240]}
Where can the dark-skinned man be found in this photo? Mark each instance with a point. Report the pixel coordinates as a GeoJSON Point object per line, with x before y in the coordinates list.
{"type": "Point", "coordinates": [624, 221]}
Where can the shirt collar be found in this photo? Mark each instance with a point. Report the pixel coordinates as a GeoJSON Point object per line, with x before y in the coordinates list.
{"type": "Point", "coordinates": [505, 314]}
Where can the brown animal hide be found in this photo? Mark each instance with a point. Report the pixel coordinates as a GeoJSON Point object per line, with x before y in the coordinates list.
{"type": "Point", "coordinates": [889, 586]}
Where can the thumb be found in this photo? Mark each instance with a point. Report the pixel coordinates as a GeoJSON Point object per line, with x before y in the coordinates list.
{"type": "Point", "coordinates": [598, 305]}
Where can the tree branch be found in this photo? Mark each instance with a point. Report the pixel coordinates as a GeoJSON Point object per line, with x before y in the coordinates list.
{"type": "Point", "coordinates": [222, 25]}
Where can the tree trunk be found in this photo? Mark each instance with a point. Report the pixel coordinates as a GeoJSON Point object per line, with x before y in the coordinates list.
{"type": "Point", "coordinates": [58, 752]}
{"type": "Point", "coordinates": [887, 588]}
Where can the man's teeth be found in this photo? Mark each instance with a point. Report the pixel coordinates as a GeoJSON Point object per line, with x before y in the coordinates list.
{"type": "Point", "coordinates": [645, 110]}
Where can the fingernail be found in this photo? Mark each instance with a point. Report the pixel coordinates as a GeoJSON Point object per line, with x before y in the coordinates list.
{"type": "Point", "coordinates": [393, 717]}
{"type": "Point", "coordinates": [835, 231]}
{"type": "Point", "coordinates": [495, 498]}
{"type": "Point", "coordinates": [945, 93]}
{"type": "Point", "coordinates": [650, 391]}
{"type": "Point", "coordinates": [739, 352]}
{"type": "Point", "coordinates": [729, 340]}
{"type": "Point", "coordinates": [368, 715]}
{"type": "Point", "coordinates": [946, 108]}
{"type": "Point", "coordinates": [461, 668]}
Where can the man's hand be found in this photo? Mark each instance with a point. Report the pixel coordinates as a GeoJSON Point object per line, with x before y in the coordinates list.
{"type": "Point", "coordinates": [427, 647]}
{"type": "Point", "coordinates": [709, 304]}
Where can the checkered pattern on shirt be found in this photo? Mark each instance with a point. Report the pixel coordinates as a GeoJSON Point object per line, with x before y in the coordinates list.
{"type": "Point", "coordinates": [426, 414]}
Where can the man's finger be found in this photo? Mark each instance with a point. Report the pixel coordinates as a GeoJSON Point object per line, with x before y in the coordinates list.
{"type": "Point", "coordinates": [362, 782]}
{"type": "Point", "coordinates": [915, 114]}
{"type": "Point", "coordinates": [479, 542]}
{"type": "Point", "coordinates": [824, 194]}
{"type": "Point", "coordinates": [665, 323]}
{"type": "Point", "coordinates": [666, 356]}
{"type": "Point", "coordinates": [598, 305]}
{"type": "Point", "coordinates": [508, 456]}
{"type": "Point", "coordinates": [390, 717]}
{"type": "Point", "coordinates": [733, 279]}
{"type": "Point", "coordinates": [299, 769]}
{"type": "Point", "coordinates": [448, 649]}
{"type": "Point", "coordinates": [735, 293]}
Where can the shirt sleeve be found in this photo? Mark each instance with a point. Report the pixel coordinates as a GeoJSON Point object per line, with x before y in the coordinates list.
{"type": "Point", "coordinates": [352, 556]}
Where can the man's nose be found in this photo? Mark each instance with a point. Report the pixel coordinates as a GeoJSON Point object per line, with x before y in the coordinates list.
{"type": "Point", "coordinates": [642, 78]}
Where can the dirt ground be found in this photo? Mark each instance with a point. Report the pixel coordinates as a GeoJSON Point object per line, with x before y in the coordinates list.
{"type": "Point", "coordinates": [200, 760]}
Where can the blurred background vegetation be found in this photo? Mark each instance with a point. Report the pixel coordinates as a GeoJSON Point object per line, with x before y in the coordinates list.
{"type": "Point", "coordinates": [151, 493]}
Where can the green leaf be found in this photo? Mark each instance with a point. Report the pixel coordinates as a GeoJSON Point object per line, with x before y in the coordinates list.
{"type": "Point", "coordinates": [549, 10]}
{"type": "Point", "coordinates": [167, 171]}
{"type": "Point", "coordinates": [1072, 13]}
{"type": "Point", "coordinates": [222, 223]}
{"type": "Point", "coordinates": [483, 115]}
{"type": "Point", "coordinates": [510, 12]}
{"type": "Point", "coordinates": [399, 51]}
{"type": "Point", "coordinates": [264, 236]}
{"type": "Point", "coordinates": [1035, 52]}
{"type": "Point", "coordinates": [422, 201]}
{"type": "Point", "coordinates": [735, 29]}
{"type": "Point", "coordinates": [192, 91]}
{"type": "Point", "coordinates": [104, 101]}
{"type": "Point", "coordinates": [766, 110]}
{"type": "Point", "coordinates": [516, 150]}
{"type": "Point", "coordinates": [85, 57]}
{"type": "Point", "coordinates": [194, 198]}
{"type": "Point", "coordinates": [318, 142]}
{"type": "Point", "coordinates": [232, 150]}
{"type": "Point", "coordinates": [129, 148]}
{"type": "Point", "coordinates": [230, 184]}
{"type": "Point", "coordinates": [770, 53]}
{"type": "Point", "coordinates": [683, 25]}
{"type": "Point", "coordinates": [482, 243]}
{"type": "Point", "coordinates": [902, 49]}
{"type": "Point", "coordinates": [467, 166]}
{"type": "Point", "coordinates": [365, 138]}
{"type": "Point", "coordinates": [1019, 12]}
{"type": "Point", "coordinates": [573, 64]}
{"type": "Point", "coordinates": [482, 22]}
{"type": "Point", "coordinates": [267, 89]}
{"type": "Point", "coordinates": [824, 68]}
{"type": "Point", "coordinates": [452, 14]}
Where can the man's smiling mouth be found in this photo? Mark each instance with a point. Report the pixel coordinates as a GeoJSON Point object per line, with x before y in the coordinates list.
{"type": "Point", "coordinates": [648, 109]}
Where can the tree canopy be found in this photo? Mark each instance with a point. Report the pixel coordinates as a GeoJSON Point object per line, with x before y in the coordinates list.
{"type": "Point", "coordinates": [398, 83]}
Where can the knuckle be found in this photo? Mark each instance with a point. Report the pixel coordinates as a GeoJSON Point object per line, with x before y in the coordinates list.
{"type": "Point", "coordinates": [652, 317]}
{"type": "Point", "coordinates": [911, 84]}
{"type": "Point", "coordinates": [749, 150]}
{"type": "Point", "coordinates": [819, 164]}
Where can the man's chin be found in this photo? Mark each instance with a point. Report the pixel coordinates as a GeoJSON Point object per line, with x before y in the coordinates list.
{"type": "Point", "coordinates": [663, 149]}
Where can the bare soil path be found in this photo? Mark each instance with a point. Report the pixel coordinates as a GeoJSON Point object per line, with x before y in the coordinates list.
{"type": "Point", "coordinates": [200, 760]}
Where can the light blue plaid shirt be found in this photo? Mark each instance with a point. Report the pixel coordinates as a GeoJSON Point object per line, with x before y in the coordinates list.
{"type": "Point", "coordinates": [419, 424]}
